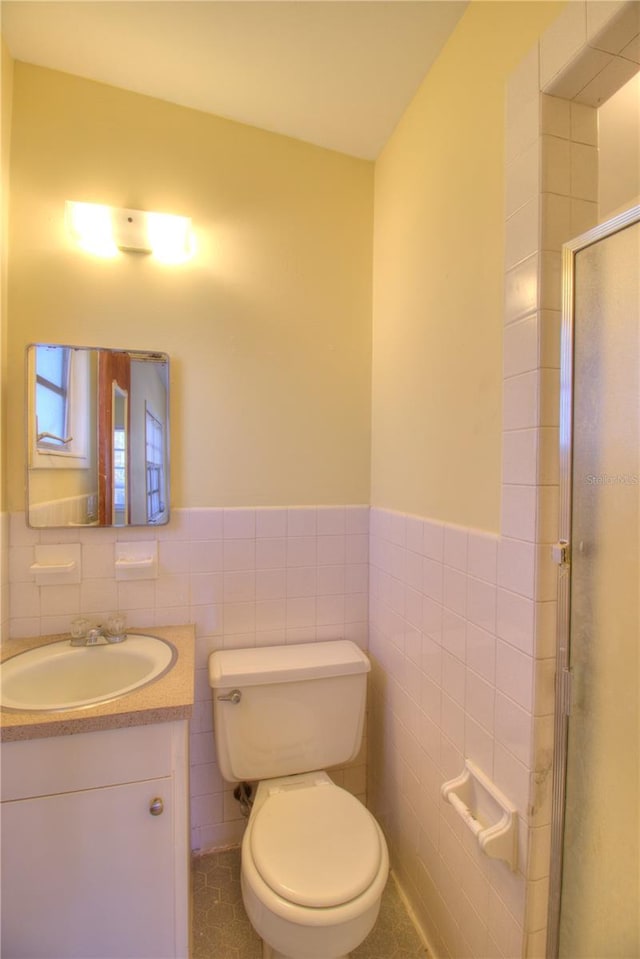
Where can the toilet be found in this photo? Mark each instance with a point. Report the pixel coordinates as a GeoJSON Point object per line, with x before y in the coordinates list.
{"type": "Point", "coordinates": [314, 859]}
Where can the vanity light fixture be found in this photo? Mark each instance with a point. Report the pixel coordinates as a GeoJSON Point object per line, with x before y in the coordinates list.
{"type": "Point", "coordinates": [104, 230]}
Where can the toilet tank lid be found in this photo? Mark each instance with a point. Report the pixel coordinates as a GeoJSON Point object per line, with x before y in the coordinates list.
{"type": "Point", "coordinates": [285, 664]}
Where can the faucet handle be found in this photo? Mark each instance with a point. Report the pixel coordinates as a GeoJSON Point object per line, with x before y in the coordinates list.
{"type": "Point", "coordinates": [116, 628]}
{"type": "Point", "coordinates": [79, 630]}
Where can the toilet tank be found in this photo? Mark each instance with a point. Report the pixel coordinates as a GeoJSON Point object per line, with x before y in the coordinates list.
{"type": "Point", "coordinates": [300, 708]}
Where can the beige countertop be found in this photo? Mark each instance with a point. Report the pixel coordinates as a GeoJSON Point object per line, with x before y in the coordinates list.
{"type": "Point", "coordinates": [166, 699]}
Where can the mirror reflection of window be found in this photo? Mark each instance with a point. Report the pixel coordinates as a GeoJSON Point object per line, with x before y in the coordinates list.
{"type": "Point", "coordinates": [119, 469]}
{"type": "Point", "coordinates": [119, 484]}
{"type": "Point", "coordinates": [155, 467]}
{"type": "Point", "coordinates": [52, 397]}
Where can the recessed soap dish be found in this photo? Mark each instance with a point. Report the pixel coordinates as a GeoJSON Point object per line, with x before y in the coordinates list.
{"type": "Point", "coordinates": [136, 560]}
{"type": "Point", "coordinates": [57, 564]}
{"type": "Point", "coordinates": [486, 812]}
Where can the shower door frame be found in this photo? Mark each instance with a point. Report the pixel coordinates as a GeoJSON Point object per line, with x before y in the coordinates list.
{"type": "Point", "coordinates": [563, 557]}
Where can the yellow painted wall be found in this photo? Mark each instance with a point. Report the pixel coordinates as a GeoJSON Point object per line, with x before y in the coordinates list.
{"type": "Point", "coordinates": [268, 328]}
{"type": "Point", "coordinates": [6, 97]}
{"type": "Point", "coordinates": [438, 276]}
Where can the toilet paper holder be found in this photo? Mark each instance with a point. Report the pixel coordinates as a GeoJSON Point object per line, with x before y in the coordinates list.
{"type": "Point", "coordinates": [486, 812]}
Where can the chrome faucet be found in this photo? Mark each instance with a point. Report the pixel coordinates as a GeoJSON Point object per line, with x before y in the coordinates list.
{"type": "Point", "coordinates": [84, 633]}
{"type": "Point", "coordinates": [91, 637]}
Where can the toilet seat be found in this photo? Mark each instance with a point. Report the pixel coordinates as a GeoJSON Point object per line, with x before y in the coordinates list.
{"type": "Point", "coordinates": [315, 846]}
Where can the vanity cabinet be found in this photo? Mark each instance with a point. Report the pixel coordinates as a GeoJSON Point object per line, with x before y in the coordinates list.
{"type": "Point", "coordinates": [95, 852]}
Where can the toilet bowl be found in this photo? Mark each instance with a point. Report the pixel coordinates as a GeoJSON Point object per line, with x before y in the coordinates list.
{"type": "Point", "coordinates": [314, 866]}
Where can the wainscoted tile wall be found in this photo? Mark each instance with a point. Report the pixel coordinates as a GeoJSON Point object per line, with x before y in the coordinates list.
{"type": "Point", "coordinates": [245, 577]}
{"type": "Point", "coordinates": [551, 179]}
{"type": "Point", "coordinates": [451, 682]}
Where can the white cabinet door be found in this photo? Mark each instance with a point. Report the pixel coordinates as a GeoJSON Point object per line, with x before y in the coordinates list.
{"type": "Point", "coordinates": [89, 875]}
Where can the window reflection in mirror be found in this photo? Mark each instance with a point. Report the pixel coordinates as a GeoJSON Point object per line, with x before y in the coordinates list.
{"type": "Point", "coordinates": [52, 397]}
{"type": "Point", "coordinates": [120, 434]}
{"type": "Point", "coordinates": [97, 437]}
{"type": "Point", "coordinates": [154, 443]}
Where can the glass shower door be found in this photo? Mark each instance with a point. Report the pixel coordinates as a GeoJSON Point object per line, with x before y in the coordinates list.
{"type": "Point", "coordinates": [599, 887]}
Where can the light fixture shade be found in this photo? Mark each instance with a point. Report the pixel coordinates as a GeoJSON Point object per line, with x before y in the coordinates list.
{"type": "Point", "coordinates": [169, 237]}
{"type": "Point", "coordinates": [90, 225]}
{"type": "Point", "coordinates": [104, 230]}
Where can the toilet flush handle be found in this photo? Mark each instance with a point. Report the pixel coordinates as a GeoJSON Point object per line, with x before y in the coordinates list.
{"type": "Point", "coordinates": [233, 697]}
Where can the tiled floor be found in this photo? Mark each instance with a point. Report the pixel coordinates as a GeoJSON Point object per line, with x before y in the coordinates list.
{"type": "Point", "coordinates": [221, 929]}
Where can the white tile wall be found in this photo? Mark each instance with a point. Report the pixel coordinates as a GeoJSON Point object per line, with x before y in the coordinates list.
{"type": "Point", "coordinates": [244, 576]}
{"type": "Point", "coordinates": [579, 61]}
{"type": "Point", "coordinates": [587, 54]}
{"type": "Point", "coordinates": [563, 41]}
{"type": "Point", "coordinates": [445, 689]}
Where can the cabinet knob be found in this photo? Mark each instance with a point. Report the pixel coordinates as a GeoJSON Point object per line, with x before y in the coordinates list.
{"type": "Point", "coordinates": [156, 806]}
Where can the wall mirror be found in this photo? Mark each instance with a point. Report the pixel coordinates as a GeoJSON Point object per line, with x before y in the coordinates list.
{"type": "Point", "coordinates": [97, 437]}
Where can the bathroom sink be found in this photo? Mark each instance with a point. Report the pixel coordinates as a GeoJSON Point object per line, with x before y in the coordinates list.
{"type": "Point", "coordinates": [61, 676]}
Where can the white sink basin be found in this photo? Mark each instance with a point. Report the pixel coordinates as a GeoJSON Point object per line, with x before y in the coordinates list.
{"type": "Point", "coordinates": [61, 676]}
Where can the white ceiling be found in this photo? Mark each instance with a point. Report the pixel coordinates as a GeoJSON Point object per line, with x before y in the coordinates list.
{"type": "Point", "coordinates": [337, 73]}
